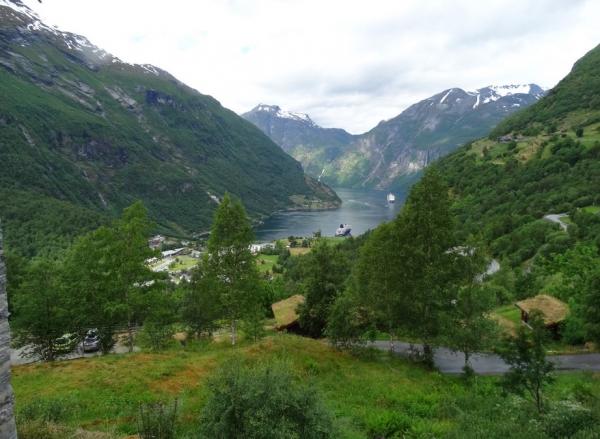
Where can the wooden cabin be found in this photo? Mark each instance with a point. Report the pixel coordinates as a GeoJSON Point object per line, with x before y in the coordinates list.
{"type": "Point", "coordinates": [554, 311]}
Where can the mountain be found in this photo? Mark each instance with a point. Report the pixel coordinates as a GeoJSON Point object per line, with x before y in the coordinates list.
{"type": "Point", "coordinates": [542, 160]}
{"type": "Point", "coordinates": [570, 102]}
{"type": "Point", "coordinates": [83, 135]}
{"type": "Point", "coordinates": [300, 137]}
{"type": "Point", "coordinates": [387, 156]}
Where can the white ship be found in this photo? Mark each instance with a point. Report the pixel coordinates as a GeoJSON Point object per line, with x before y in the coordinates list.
{"type": "Point", "coordinates": [343, 230]}
{"type": "Point", "coordinates": [391, 198]}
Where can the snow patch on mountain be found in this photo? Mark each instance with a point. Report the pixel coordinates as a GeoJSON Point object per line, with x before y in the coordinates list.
{"type": "Point", "coordinates": [450, 91]}
{"type": "Point", "coordinates": [506, 90]}
{"type": "Point", "coordinates": [21, 8]}
{"type": "Point", "coordinates": [285, 114]}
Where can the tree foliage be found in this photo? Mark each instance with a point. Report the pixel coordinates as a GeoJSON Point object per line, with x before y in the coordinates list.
{"type": "Point", "coordinates": [229, 264]}
{"type": "Point", "coordinates": [426, 268]}
{"type": "Point", "coordinates": [42, 313]}
{"type": "Point", "coordinates": [108, 281]}
{"type": "Point", "coordinates": [525, 353]}
{"type": "Point", "coordinates": [473, 330]}
{"type": "Point", "coordinates": [323, 271]}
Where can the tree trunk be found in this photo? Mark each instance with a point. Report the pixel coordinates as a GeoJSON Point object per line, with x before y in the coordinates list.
{"type": "Point", "coordinates": [130, 334]}
{"type": "Point", "coordinates": [428, 355]}
{"type": "Point", "coordinates": [232, 333]}
{"type": "Point", "coordinates": [8, 429]}
{"type": "Point", "coordinates": [392, 351]}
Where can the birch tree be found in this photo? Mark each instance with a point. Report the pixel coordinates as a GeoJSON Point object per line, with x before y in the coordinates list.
{"type": "Point", "coordinates": [425, 234]}
{"type": "Point", "coordinates": [473, 330]}
{"type": "Point", "coordinates": [377, 280]}
{"type": "Point", "coordinates": [230, 264]}
{"type": "Point", "coordinates": [107, 277]}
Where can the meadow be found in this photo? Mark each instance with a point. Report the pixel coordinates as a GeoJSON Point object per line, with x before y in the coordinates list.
{"type": "Point", "coordinates": [370, 394]}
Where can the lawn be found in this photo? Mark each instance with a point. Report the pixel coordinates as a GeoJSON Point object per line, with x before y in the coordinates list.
{"type": "Point", "coordinates": [510, 313]}
{"type": "Point", "coordinates": [183, 263]}
{"type": "Point", "coordinates": [266, 262]}
{"type": "Point", "coordinates": [592, 209]}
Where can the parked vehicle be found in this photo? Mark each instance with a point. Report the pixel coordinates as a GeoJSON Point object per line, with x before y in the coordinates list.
{"type": "Point", "coordinates": [91, 343]}
{"type": "Point", "coordinates": [66, 343]}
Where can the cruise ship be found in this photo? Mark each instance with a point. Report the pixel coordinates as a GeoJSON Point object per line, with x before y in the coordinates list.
{"type": "Point", "coordinates": [343, 230]}
{"type": "Point", "coordinates": [391, 198]}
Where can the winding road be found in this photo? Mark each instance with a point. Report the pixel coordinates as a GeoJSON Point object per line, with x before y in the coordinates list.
{"type": "Point", "coordinates": [451, 363]}
{"type": "Point", "coordinates": [557, 219]}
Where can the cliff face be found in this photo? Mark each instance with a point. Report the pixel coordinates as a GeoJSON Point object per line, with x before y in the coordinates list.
{"type": "Point", "coordinates": [8, 429]}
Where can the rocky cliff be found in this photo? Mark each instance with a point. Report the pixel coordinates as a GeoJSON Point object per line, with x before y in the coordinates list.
{"type": "Point", "coordinates": [7, 402]}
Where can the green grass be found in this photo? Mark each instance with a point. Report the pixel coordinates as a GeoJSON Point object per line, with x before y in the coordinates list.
{"type": "Point", "coordinates": [185, 262]}
{"type": "Point", "coordinates": [509, 312]}
{"type": "Point", "coordinates": [101, 394]}
{"type": "Point", "coordinates": [269, 262]}
{"type": "Point", "coordinates": [592, 209]}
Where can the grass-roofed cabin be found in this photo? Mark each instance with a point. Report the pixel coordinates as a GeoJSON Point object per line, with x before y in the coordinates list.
{"type": "Point", "coordinates": [285, 313]}
{"type": "Point", "coordinates": [553, 309]}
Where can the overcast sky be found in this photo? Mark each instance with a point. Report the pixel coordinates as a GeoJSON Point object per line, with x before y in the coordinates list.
{"type": "Point", "coordinates": [347, 63]}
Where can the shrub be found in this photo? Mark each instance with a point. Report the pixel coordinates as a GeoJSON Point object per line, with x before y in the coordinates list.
{"type": "Point", "coordinates": [157, 420]}
{"type": "Point", "coordinates": [566, 418]}
{"type": "Point", "coordinates": [156, 336]}
{"type": "Point", "coordinates": [386, 424]}
{"type": "Point", "coordinates": [264, 400]}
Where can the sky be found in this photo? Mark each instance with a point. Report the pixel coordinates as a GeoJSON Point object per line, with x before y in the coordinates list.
{"type": "Point", "coordinates": [346, 63]}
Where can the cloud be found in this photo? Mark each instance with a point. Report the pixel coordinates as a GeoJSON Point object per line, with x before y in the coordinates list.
{"type": "Point", "coordinates": [347, 64]}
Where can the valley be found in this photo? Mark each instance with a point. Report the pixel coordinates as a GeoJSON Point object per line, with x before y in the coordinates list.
{"type": "Point", "coordinates": [134, 204]}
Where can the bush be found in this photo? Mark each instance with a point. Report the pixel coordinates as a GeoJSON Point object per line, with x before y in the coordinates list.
{"type": "Point", "coordinates": [386, 424]}
{"type": "Point", "coordinates": [264, 400]}
{"type": "Point", "coordinates": [157, 420]}
{"type": "Point", "coordinates": [156, 336]}
{"type": "Point", "coordinates": [566, 418]}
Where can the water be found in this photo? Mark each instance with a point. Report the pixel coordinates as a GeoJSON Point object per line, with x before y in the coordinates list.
{"type": "Point", "coordinates": [363, 209]}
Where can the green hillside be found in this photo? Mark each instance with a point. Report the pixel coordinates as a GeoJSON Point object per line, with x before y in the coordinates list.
{"type": "Point", "coordinates": [547, 164]}
{"type": "Point", "coordinates": [575, 101]}
{"type": "Point", "coordinates": [78, 126]}
{"type": "Point", "coordinates": [505, 189]}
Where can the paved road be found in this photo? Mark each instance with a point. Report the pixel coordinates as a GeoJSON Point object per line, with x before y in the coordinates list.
{"type": "Point", "coordinates": [164, 266]}
{"type": "Point", "coordinates": [451, 363]}
{"type": "Point", "coordinates": [16, 359]}
{"type": "Point", "coordinates": [557, 219]}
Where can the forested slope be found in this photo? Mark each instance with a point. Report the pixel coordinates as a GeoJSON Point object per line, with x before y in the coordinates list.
{"type": "Point", "coordinates": [78, 126]}
{"type": "Point", "coordinates": [547, 163]}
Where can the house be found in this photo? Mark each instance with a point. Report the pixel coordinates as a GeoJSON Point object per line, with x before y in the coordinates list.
{"type": "Point", "coordinates": [173, 252]}
{"type": "Point", "coordinates": [285, 312]}
{"type": "Point", "coordinates": [553, 309]}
